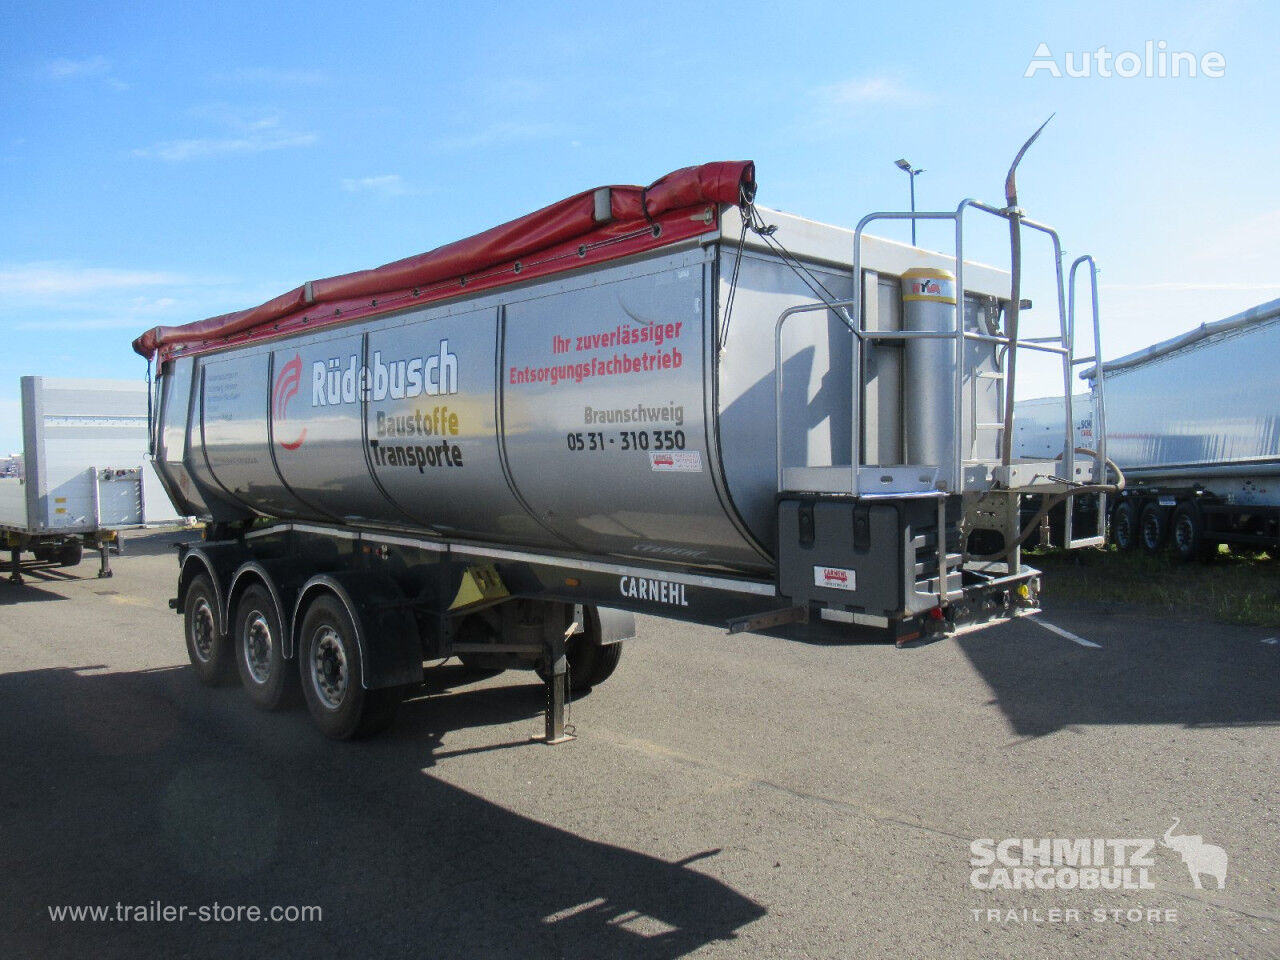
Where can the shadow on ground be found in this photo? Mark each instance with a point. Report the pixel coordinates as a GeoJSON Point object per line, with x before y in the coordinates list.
{"type": "Point", "coordinates": [1147, 671]}
{"type": "Point", "coordinates": [138, 787]}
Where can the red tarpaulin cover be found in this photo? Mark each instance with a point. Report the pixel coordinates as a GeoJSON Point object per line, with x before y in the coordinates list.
{"type": "Point", "coordinates": [563, 236]}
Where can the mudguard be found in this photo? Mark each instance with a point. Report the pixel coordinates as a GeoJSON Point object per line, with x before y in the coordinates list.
{"type": "Point", "coordinates": [386, 632]}
{"type": "Point", "coordinates": [615, 625]}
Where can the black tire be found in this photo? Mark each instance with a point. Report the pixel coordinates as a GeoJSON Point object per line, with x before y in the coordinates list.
{"type": "Point", "coordinates": [70, 553]}
{"type": "Point", "coordinates": [332, 678]}
{"type": "Point", "coordinates": [591, 663]}
{"type": "Point", "coordinates": [258, 632]}
{"type": "Point", "coordinates": [1124, 526]}
{"type": "Point", "coordinates": [1153, 528]}
{"type": "Point", "coordinates": [1186, 535]}
{"type": "Point", "coordinates": [208, 649]}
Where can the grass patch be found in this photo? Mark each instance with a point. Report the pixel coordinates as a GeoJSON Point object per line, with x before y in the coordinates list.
{"type": "Point", "coordinates": [1231, 588]}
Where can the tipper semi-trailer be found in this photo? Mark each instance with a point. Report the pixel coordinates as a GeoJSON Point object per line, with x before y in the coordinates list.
{"type": "Point", "coordinates": [1194, 423]}
{"type": "Point", "coordinates": [663, 400]}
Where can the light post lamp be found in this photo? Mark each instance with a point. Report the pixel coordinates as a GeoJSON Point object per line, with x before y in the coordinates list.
{"type": "Point", "coordinates": [911, 172]}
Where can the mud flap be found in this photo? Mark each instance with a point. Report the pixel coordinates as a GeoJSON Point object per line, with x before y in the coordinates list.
{"type": "Point", "coordinates": [390, 648]}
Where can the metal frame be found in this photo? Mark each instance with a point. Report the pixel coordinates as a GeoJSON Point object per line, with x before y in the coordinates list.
{"type": "Point", "coordinates": [1099, 408]}
{"type": "Point", "coordinates": [1063, 346]}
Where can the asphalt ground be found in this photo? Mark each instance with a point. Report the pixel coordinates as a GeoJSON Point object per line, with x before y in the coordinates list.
{"type": "Point", "coordinates": [726, 796]}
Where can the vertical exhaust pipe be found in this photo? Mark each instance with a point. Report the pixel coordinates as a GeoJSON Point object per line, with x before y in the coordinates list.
{"type": "Point", "coordinates": [1014, 214]}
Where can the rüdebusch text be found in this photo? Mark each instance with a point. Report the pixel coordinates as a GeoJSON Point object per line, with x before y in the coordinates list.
{"type": "Point", "coordinates": [332, 382]}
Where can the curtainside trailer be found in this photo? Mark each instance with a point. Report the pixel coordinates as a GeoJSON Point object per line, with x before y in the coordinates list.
{"type": "Point", "coordinates": [662, 400]}
{"type": "Point", "coordinates": [1194, 422]}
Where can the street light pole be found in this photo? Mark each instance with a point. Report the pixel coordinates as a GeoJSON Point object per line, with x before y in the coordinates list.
{"type": "Point", "coordinates": [911, 172]}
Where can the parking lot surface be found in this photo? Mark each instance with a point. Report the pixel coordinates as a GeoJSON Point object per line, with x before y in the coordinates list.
{"type": "Point", "coordinates": [726, 796]}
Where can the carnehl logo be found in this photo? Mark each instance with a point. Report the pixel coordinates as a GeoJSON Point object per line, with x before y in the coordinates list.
{"type": "Point", "coordinates": [835, 578]}
{"type": "Point", "coordinates": [285, 389]}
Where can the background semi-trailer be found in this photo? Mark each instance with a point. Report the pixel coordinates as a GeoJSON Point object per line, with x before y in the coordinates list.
{"type": "Point", "coordinates": [83, 474]}
{"type": "Point", "coordinates": [1194, 422]}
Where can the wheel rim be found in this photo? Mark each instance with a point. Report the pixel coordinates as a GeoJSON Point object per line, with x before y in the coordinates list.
{"type": "Point", "coordinates": [1183, 534]}
{"type": "Point", "coordinates": [258, 646]}
{"type": "Point", "coordinates": [329, 674]}
{"type": "Point", "coordinates": [1151, 533]}
{"type": "Point", "coordinates": [1124, 529]}
{"type": "Point", "coordinates": [203, 630]}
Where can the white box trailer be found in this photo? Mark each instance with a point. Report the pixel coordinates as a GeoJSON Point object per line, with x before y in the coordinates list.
{"type": "Point", "coordinates": [83, 475]}
{"type": "Point", "coordinates": [1194, 423]}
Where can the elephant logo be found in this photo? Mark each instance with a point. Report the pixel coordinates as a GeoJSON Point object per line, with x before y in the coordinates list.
{"type": "Point", "coordinates": [1200, 857]}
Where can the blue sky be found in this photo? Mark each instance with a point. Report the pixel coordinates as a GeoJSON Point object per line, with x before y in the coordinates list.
{"type": "Point", "coordinates": [165, 162]}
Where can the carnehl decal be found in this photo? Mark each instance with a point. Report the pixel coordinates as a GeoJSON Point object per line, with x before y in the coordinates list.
{"type": "Point", "coordinates": [835, 578]}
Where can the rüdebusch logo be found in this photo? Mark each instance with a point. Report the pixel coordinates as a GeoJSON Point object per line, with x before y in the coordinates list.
{"type": "Point", "coordinates": [333, 382]}
{"type": "Point", "coordinates": [928, 288]}
{"type": "Point", "coordinates": [284, 390]}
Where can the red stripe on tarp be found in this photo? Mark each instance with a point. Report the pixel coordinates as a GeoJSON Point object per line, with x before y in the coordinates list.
{"type": "Point", "coordinates": [551, 237]}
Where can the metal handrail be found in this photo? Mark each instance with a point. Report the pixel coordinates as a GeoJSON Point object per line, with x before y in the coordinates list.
{"type": "Point", "coordinates": [1099, 406]}
{"type": "Point", "coordinates": [1062, 346]}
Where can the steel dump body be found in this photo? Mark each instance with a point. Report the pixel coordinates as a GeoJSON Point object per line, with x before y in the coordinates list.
{"type": "Point", "coordinates": [1194, 422]}
{"type": "Point", "coordinates": [616, 412]}
{"type": "Point", "coordinates": [1204, 404]}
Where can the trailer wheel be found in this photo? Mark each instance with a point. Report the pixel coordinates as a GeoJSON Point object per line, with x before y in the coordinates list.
{"type": "Point", "coordinates": [1153, 528]}
{"type": "Point", "coordinates": [70, 553]}
{"type": "Point", "coordinates": [332, 681]}
{"type": "Point", "coordinates": [1124, 526]}
{"type": "Point", "coordinates": [210, 652]}
{"type": "Point", "coordinates": [591, 662]}
{"type": "Point", "coordinates": [1186, 534]}
{"type": "Point", "coordinates": [595, 662]}
{"type": "Point", "coordinates": [259, 650]}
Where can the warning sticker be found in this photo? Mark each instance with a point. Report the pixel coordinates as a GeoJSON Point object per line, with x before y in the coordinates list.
{"type": "Point", "coordinates": [676, 461]}
{"type": "Point", "coordinates": [835, 578]}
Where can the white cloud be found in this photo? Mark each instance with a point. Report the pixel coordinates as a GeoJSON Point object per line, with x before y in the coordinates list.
{"type": "Point", "coordinates": [94, 68]}
{"type": "Point", "coordinates": [498, 134]}
{"type": "Point", "coordinates": [59, 295]}
{"type": "Point", "coordinates": [869, 90]}
{"type": "Point", "coordinates": [257, 135]}
{"type": "Point", "coordinates": [56, 279]}
{"type": "Point", "coordinates": [270, 77]}
{"type": "Point", "coordinates": [387, 185]}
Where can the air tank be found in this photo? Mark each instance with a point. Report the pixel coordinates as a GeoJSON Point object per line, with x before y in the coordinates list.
{"type": "Point", "coordinates": [929, 305]}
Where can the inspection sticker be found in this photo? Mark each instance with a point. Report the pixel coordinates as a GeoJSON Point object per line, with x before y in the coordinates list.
{"type": "Point", "coordinates": [676, 461]}
{"type": "Point", "coordinates": [835, 578]}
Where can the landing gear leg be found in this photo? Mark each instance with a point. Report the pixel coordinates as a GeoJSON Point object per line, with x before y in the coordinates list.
{"type": "Point", "coordinates": [557, 681]}
{"type": "Point", "coordinates": [15, 566]}
{"type": "Point", "coordinates": [104, 570]}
